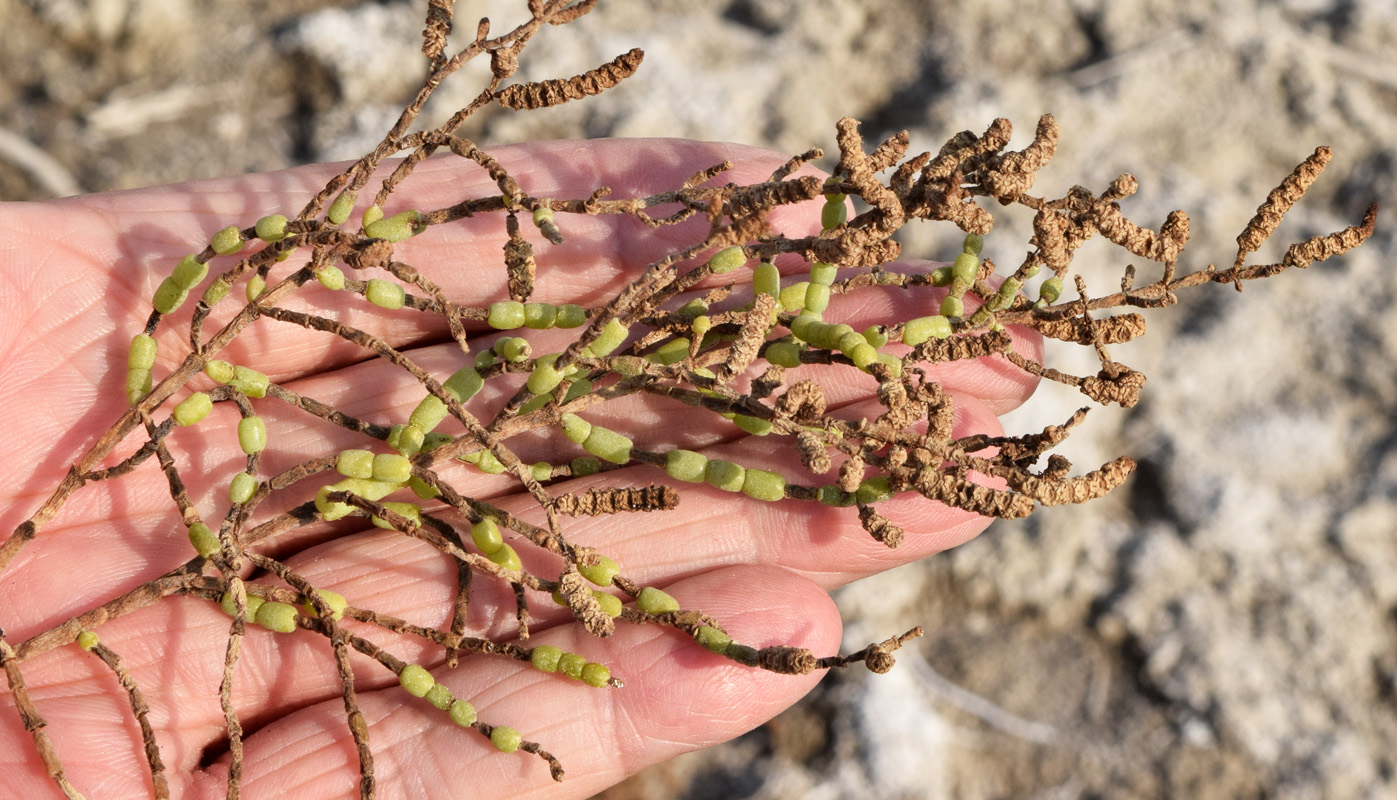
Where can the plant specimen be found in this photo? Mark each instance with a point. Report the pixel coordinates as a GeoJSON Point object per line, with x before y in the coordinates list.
{"type": "Point", "coordinates": [740, 324]}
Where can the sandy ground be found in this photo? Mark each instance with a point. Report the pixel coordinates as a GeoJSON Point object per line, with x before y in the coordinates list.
{"type": "Point", "coordinates": [1226, 625]}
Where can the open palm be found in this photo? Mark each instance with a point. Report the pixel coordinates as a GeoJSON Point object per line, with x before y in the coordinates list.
{"type": "Point", "coordinates": [76, 278]}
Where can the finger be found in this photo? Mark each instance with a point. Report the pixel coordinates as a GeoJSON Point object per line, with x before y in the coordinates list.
{"type": "Point", "coordinates": [598, 255]}
{"type": "Point", "coordinates": [676, 698]}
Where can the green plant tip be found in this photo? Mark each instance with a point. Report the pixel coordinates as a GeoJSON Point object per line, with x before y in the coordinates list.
{"type": "Point", "coordinates": [428, 414]}
{"type": "Point", "coordinates": [685, 465]}
{"type": "Point", "coordinates": [753, 425]}
{"type": "Point", "coordinates": [702, 324]}
{"type": "Point", "coordinates": [271, 228]}
{"type": "Point", "coordinates": [571, 664]}
{"type": "Point", "coordinates": [399, 227]}
{"type": "Point", "coordinates": [331, 277]}
{"type": "Point", "coordinates": [391, 468]}
{"type": "Point", "coordinates": [849, 341]}
{"type": "Point", "coordinates": [242, 488]}
{"type": "Point", "coordinates": [545, 658]}
{"type": "Point", "coordinates": [541, 471]}
{"type": "Point", "coordinates": [489, 464]}
{"type": "Point", "coordinates": [612, 335]}
{"type": "Point", "coordinates": [506, 557]}
{"type": "Point", "coordinates": [727, 260]}
{"type": "Point", "coordinates": [416, 680]}
{"type": "Point", "coordinates": [168, 296]}
{"type": "Point", "coordinates": [671, 352]}
{"type": "Point", "coordinates": [367, 489]}
{"type": "Point", "coordinates": [219, 371]}
{"type": "Point", "coordinates": [822, 274]}
{"type": "Point", "coordinates": [505, 740]}
{"type": "Point", "coordinates": [192, 409]}
{"type": "Point", "coordinates": [816, 298]}
{"type": "Point", "coordinates": [334, 600]}
{"type": "Point", "coordinates": [830, 336]}
{"type": "Point", "coordinates": [544, 377]}
{"type": "Point", "coordinates": [876, 335]}
{"type": "Point", "coordinates": [189, 272]}
{"type": "Point", "coordinates": [597, 675]}
{"type": "Point", "coordinates": [892, 362]}
{"type": "Point", "coordinates": [462, 713]}
{"type": "Point", "coordinates": [407, 510]}
{"type": "Point", "coordinates": [582, 466]}
{"type": "Point", "coordinates": [766, 279]}
{"type": "Point", "coordinates": [952, 306]}
{"type": "Point", "coordinates": [440, 696]}
{"type": "Point", "coordinates": [874, 490]}
{"type": "Point", "coordinates": [916, 331]}
{"type": "Point", "coordinates": [506, 315]}
{"type": "Point", "coordinates": [862, 355]}
{"type": "Point", "coordinates": [253, 604]}
{"type": "Point", "coordinates": [385, 294]}
{"type": "Point", "coordinates": [216, 292]}
{"type": "Point", "coordinates": [783, 354]}
{"type": "Point", "coordinates": [87, 640]}
{"type": "Point", "coordinates": [601, 572]}
{"type": "Point", "coordinates": [608, 444]}
{"type": "Point", "coordinates": [406, 439]}
{"type": "Point", "coordinates": [653, 601]}
{"type": "Point", "coordinates": [965, 268]}
{"type": "Point", "coordinates": [973, 245]}
{"type": "Point", "coordinates": [792, 298]}
{"type": "Point", "coordinates": [279, 617]}
{"type": "Point", "coordinates": [834, 213]}
{"type": "Point", "coordinates": [422, 489]}
{"type": "Point", "coordinates": [712, 639]}
{"type": "Point", "coordinates": [341, 208]}
{"type": "Point", "coordinates": [463, 384]}
{"type": "Point", "coordinates": [486, 536]}
{"type": "Point", "coordinates": [941, 276]}
{"type": "Point", "coordinates": [576, 428]}
{"type": "Point", "coordinates": [571, 315]}
{"type": "Point", "coordinates": [610, 604]}
{"type": "Point", "coordinates": [256, 287]}
{"type": "Point", "coordinates": [1051, 289]}
{"type": "Point", "coordinates": [138, 385]}
{"type": "Point", "coordinates": [141, 354]}
{"type": "Point", "coordinates": [512, 349]}
{"type": "Point", "coordinates": [227, 241]}
{"type": "Point", "coordinates": [355, 464]}
{"type": "Point", "coordinates": [760, 484]}
{"type": "Point", "coordinates": [542, 214]}
{"type": "Point", "coordinates": [371, 215]}
{"type": "Point", "coordinates": [252, 434]}
{"type": "Point", "coordinates": [723, 475]}
{"type": "Point", "coordinates": [203, 538]}
{"type": "Point", "coordinates": [250, 382]}
{"type": "Point", "coordinates": [834, 496]}
{"type": "Point", "coordinates": [540, 316]}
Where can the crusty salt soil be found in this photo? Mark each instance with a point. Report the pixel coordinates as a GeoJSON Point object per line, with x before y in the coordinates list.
{"type": "Point", "coordinates": [1224, 626]}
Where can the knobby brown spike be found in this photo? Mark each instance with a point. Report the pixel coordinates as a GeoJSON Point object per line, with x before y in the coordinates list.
{"type": "Point", "coordinates": [543, 94]}
{"type": "Point", "coordinates": [439, 13]}
{"type": "Point", "coordinates": [594, 502]}
{"type": "Point", "coordinates": [1270, 213]}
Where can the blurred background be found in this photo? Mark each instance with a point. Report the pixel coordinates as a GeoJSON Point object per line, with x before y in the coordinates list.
{"type": "Point", "coordinates": [1225, 625]}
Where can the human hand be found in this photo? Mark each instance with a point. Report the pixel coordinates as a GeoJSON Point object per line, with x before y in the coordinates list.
{"type": "Point", "coordinates": [76, 278]}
